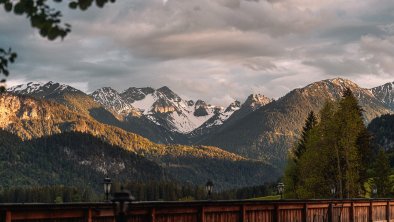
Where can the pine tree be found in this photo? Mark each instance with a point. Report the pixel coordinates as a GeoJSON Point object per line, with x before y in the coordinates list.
{"type": "Point", "coordinates": [316, 168]}
{"type": "Point", "coordinates": [381, 168]}
{"type": "Point", "coordinates": [349, 119]}
{"type": "Point", "coordinates": [292, 169]}
{"type": "Point", "coordinates": [310, 122]}
{"type": "Point", "coordinates": [366, 151]}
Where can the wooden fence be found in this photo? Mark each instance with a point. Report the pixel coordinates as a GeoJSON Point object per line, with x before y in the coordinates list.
{"type": "Point", "coordinates": [354, 210]}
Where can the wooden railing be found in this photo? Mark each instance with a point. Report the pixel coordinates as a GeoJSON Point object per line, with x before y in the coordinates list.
{"type": "Point", "coordinates": [355, 210]}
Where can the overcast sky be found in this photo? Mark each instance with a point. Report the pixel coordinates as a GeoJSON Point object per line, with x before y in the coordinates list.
{"type": "Point", "coordinates": [216, 50]}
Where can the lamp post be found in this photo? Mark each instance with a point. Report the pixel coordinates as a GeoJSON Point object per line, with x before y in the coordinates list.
{"type": "Point", "coordinates": [281, 189]}
{"type": "Point", "coordinates": [333, 191]}
{"type": "Point", "coordinates": [374, 191]}
{"type": "Point", "coordinates": [122, 201]}
{"type": "Point", "coordinates": [209, 188]}
{"type": "Point", "coordinates": [107, 187]}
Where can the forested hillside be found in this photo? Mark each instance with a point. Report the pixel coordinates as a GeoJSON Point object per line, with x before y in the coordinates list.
{"type": "Point", "coordinates": [382, 129]}
{"type": "Point", "coordinates": [70, 159]}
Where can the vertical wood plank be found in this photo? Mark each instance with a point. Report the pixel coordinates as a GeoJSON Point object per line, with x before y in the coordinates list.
{"type": "Point", "coordinates": [370, 213]}
{"type": "Point", "coordinates": [8, 216]}
{"type": "Point", "coordinates": [89, 215]}
{"type": "Point", "coordinates": [153, 215]}
{"type": "Point", "coordinates": [388, 211]}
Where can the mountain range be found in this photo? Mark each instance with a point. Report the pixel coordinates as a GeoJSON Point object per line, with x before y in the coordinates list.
{"type": "Point", "coordinates": [31, 119]}
{"type": "Point", "coordinates": [253, 136]}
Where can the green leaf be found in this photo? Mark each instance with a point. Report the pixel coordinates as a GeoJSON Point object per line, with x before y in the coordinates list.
{"type": "Point", "coordinates": [19, 8]}
{"type": "Point", "coordinates": [73, 5]}
{"type": "Point", "coordinates": [100, 3]}
{"type": "Point", "coordinates": [8, 6]}
{"type": "Point", "coordinates": [43, 32]}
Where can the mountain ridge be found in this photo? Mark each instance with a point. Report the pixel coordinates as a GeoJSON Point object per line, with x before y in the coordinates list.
{"type": "Point", "coordinates": [270, 131]}
{"type": "Point", "coordinates": [267, 128]}
{"type": "Point", "coordinates": [31, 118]}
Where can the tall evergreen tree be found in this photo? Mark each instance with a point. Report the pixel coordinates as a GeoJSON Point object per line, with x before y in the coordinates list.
{"type": "Point", "coordinates": [366, 150]}
{"type": "Point", "coordinates": [381, 169]}
{"type": "Point", "coordinates": [317, 170]}
{"type": "Point", "coordinates": [350, 120]}
{"type": "Point", "coordinates": [292, 169]}
{"type": "Point", "coordinates": [310, 122]}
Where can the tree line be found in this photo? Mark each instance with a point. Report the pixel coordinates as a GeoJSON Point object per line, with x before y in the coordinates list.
{"type": "Point", "coordinates": [141, 191]}
{"type": "Point", "coordinates": [336, 157]}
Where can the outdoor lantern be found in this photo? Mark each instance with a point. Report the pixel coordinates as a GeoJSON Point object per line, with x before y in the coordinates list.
{"type": "Point", "coordinates": [333, 191]}
{"type": "Point", "coordinates": [281, 189]}
{"type": "Point", "coordinates": [107, 187]}
{"type": "Point", "coordinates": [122, 201]}
{"type": "Point", "coordinates": [374, 191]}
{"type": "Point", "coordinates": [209, 188]}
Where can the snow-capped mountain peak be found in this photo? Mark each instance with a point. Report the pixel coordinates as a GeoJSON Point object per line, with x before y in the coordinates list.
{"type": "Point", "coordinates": [39, 89]}
{"type": "Point", "coordinates": [111, 99]}
{"type": "Point", "coordinates": [233, 106]}
{"type": "Point", "coordinates": [219, 117]}
{"type": "Point", "coordinates": [161, 106]}
{"type": "Point", "coordinates": [385, 94]}
{"type": "Point", "coordinates": [134, 94]}
{"type": "Point", "coordinates": [255, 101]}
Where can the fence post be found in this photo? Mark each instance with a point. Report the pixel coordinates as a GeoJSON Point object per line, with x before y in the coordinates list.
{"type": "Point", "coordinates": [243, 213]}
{"type": "Point", "coordinates": [201, 214]}
{"type": "Point", "coordinates": [351, 212]}
{"type": "Point", "coordinates": [370, 213]}
{"type": "Point", "coordinates": [388, 217]}
{"type": "Point", "coordinates": [276, 213]}
{"type": "Point", "coordinates": [305, 213]}
{"type": "Point", "coordinates": [330, 213]}
{"type": "Point", "coordinates": [153, 215]}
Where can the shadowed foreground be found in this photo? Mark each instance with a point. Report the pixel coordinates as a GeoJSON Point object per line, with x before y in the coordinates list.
{"type": "Point", "coordinates": [364, 210]}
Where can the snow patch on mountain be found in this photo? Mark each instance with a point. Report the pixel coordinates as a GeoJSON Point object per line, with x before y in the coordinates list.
{"type": "Point", "coordinates": [186, 121]}
{"type": "Point", "coordinates": [145, 105]}
{"type": "Point", "coordinates": [162, 107]}
{"type": "Point", "coordinates": [37, 88]}
{"type": "Point", "coordinates": [385, 94]}
{"type": "Point", "coordinates": [111, 99]}
{"type": "Point", "coordinates": [221, 115]}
